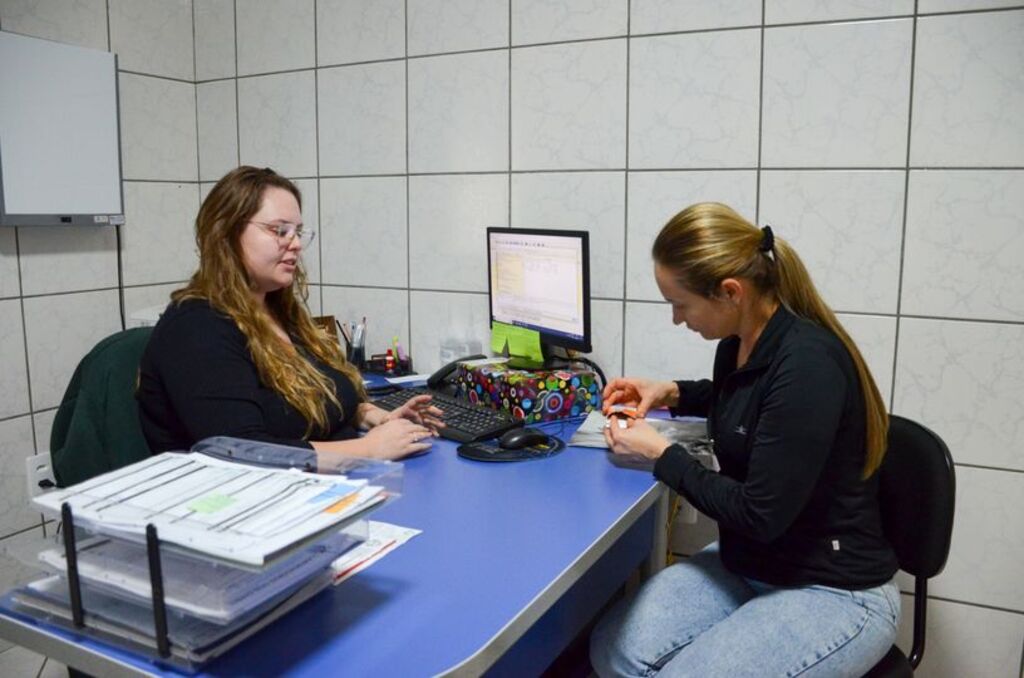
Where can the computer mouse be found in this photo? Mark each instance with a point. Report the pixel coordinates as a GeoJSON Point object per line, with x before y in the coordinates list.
{"type": "Point", "coordinates": [518, 438]}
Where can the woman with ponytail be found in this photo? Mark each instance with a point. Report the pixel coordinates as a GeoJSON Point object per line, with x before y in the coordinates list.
{"type": "Point", "coordinates": [237, 354]}
{"type": "Point", "coordinates": [800, 581]}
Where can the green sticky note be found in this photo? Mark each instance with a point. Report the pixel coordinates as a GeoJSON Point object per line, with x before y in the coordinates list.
{"type": "Point", "coordinates": [499, 337]}
{"type": "Point", "coordinates": [525, 343]}
{"type": "Point", "coordinates": [211, 503]}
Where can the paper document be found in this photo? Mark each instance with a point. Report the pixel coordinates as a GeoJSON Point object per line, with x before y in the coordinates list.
{"type": "Point", "coordinates": [407, 379]}
{"type": "Point", "coordinates": [692, 435]}
{"type": "Point", "coordinates": [238, 513]}
{"type": "Point", "coordinates": [195, 586]}
{"type": "Point", "coordinates": [193, 641]}
{"type": "Point", "coordinates": [383, 538]}
{"type": "Point", "coordinates": [591, 431]}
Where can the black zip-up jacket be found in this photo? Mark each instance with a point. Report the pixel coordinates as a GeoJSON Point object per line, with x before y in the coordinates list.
{"type": "Point", "coordinates": [789, 433]}
{"type": "Point", "coordinates": [198, 379]}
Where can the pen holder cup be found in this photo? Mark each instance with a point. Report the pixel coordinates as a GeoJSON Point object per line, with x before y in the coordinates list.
{"type": "Point", "coordinates": [357, 356]}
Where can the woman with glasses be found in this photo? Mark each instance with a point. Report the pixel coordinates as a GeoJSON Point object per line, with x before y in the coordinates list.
{"type": "Point", "coordinates": [237, 354]}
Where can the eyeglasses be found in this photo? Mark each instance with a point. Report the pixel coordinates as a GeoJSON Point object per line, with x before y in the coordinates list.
{"type": "Point", "coordinates": [286, 231]}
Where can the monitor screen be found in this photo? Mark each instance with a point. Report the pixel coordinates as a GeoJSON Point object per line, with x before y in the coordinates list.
{"type": "Point", "coordinates": [540, 280]}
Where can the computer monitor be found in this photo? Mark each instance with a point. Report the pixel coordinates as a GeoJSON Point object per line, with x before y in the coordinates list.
{"type": "Point", "coordinates": [540, 279]}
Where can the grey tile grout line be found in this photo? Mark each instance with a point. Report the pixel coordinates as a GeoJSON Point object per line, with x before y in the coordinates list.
{"type": "Point", "coordinates": [509, 125]}
{"type": "Point", "coordinates": [608, 170]}
{"type": "Point", "coordinates": [166, 181]}
{"type": "Point", "coordinates": [195, 89]}
{"type": "Point", "coordinates": [986, 606]}
{"type": "Point", "coordinates": [20, 531]}
{"type": "Point", "coordinates": [983, 10]}
{"type": "Point", "coordinates": [30, 413]}
{"type": "Point", "coordinates": [408, 189]}
{"type": "Point", "coordinates": [93, 290]}
{"type": "Point", "coordinates": [625, 204]}
{"type": "Point", "coordinates": [655, 302]}
{"type": "Point", "coordinates": [26, 415]}
{"type": "Point", "coordinates": [760, 123]}
{"type": "Point", "coordinates": [24, 338]}
{"type": "Point", "coordinates": [110, 42]}
{"type": "Point", "coordinates": [627, 300]}
{"type": "Point", "coordinates": [238, 108]}
{"type": "Point", "coordinates": [984, 467]}
{"type": "Point", "coordinates": [622, 36]}
{"type": "Point", "coordinates": [157, 76]}
{"type": "Point", "coordinates": [316, 130]}
{"type": "Point", "coordinates": [617, 36]}
{"type": "Point", "coordinates": [906, 210]}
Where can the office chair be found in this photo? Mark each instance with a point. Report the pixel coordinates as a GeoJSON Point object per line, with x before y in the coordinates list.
{"type": "Point", "coordinates": [97, 426]}
{"type": "Point", "coordinates": [916, 490]}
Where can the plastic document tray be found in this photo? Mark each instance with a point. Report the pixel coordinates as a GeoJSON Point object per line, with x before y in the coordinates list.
{"type": "Point", "coordinates": [231, 507]}
{"type": "Point", "coordinates": [193, 642]}
{"type": "Point", "coordinates": [207, 590]}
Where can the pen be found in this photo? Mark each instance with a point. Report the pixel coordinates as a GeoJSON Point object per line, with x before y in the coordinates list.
{"type": "Point", "coordinates": [344, 333]}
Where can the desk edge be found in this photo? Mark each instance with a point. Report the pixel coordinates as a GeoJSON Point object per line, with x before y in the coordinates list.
{"type": "Point", "coordinates": [484, 658]}
{"type": "Point", "coordinates": [38, 639]}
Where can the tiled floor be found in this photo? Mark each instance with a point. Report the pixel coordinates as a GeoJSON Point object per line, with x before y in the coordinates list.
{"type": "Point", "coordinates": [17, 662]}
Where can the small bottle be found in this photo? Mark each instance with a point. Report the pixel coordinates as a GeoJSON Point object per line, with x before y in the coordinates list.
{"type": "Point", "coordinates": [389, 361]}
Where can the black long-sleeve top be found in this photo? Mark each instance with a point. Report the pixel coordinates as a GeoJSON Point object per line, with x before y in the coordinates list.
{"type": "Point", "coordinates": [198, 379]}
{"type": "Point", "coordinates": [789, 434]}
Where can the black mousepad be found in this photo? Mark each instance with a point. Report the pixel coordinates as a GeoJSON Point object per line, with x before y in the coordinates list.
{"type": "Point", "coordinates": [492, 452]}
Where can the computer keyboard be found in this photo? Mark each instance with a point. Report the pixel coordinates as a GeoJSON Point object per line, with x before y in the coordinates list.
{"type": "Point", "coordinates": [464, 422]}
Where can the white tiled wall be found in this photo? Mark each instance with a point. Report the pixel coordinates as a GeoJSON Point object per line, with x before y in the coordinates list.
{"type": "Point", "coordinates": [886, 145]}
{"type": "Point", "coordinates": [60, 288]}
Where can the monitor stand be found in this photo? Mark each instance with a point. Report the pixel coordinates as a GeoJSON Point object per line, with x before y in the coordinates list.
{"type": "Point", "coordinates": [522, 363]}
{"type": "Point", "coordinates": [518, 362]}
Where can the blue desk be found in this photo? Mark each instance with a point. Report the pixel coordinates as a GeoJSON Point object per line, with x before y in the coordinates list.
{"type": "Point", "coordinates": [513, 561]}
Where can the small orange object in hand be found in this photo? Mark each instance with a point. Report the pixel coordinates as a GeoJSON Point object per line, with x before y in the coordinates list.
{"type": "Point", "coordinates": [627, 411]}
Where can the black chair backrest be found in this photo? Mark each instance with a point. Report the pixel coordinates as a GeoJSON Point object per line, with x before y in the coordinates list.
{"type": "Point", "coordinates": [917, 491]}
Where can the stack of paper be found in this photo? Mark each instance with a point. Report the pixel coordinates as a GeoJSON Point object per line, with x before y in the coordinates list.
{"type": "Point", "coordinates": [240, 543]}
{"type": "Point", "coordinates": [198, 587]}
{"type": "Point", "coordinates": [193, 640]}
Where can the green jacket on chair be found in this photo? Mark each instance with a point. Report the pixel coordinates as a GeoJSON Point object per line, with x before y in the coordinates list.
{"type": "Point", "coordinates": [97, 426]}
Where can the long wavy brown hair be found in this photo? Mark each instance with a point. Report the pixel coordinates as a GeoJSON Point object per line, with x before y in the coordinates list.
{"type": "Point", "coordinates": [223, 281]}
{"type": "Point", "coordinates": [709, 242]}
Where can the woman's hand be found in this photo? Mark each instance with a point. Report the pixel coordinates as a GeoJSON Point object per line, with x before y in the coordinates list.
{"type": "Point", "coordinates": [638, 439]}
{"type": "Point", "coordinates": [643, 394]}
{"type": "Point", "coordinates": [419, 411]}
{"type": "Point", "coordinates": [395, 439]}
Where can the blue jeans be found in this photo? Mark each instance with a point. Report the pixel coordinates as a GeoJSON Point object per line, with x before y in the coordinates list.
{"type": "Point", "coordinates": [696, 618]}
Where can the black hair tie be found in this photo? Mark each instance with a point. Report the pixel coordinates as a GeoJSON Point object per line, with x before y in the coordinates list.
{"type": "Point", "coordinates": [767, 239]}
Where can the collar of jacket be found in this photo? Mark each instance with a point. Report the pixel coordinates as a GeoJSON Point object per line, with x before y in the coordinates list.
{"type": "Point", "coordinates": [767, 344]}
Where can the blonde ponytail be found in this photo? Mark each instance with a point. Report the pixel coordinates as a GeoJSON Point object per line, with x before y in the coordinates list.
{"type": "Point", "coordinates": [709, 242]}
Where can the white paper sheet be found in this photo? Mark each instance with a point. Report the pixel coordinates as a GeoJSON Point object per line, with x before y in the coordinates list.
{"type": "Point", "coordinates": [383, 538]}
{"type": "Point", "coordinates": [238, 513]}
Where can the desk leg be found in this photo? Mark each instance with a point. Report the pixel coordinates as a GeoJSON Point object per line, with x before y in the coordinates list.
{"type": "Point", "coordinates": [659, 549]}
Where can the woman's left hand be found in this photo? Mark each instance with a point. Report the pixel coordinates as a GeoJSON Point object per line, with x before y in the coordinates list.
{"type": "Point", "coordinates": [638, 438]}
{"type": "Point", "coordinates": [419, 410]}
